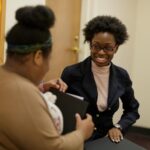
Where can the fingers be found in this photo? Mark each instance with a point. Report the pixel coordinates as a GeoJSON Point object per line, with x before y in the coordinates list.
{"type": "Point", "coordinates": [62, 85]}
{"type": "Point", "coordinates": [85, 126]}
{"type": "Point", "coordinates": [78, 118]}
{"type": "Point", "coordinates": [115, 135]}
{"type": "Point", "coordinates": [40, 86]}
{"type": "Point", "coordinates": [89, 116]}
{"type": "Point", "coordinates": [55, 83]}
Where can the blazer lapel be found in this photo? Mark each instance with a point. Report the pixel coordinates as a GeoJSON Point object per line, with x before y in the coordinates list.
{"type": "Point", "coordinates": [90, 86]}
{"type": "Point", "coordinates": [115, 87]}
{"type": "Point", "coordinates": [88, 83]}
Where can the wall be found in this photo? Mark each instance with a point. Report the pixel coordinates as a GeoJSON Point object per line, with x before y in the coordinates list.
{"type": "Point", "coordinates": [12, 6]}
{"type": "Point", "coordinates": [134, 54]}
{"type": "Point", "coordinates": [140, 69]}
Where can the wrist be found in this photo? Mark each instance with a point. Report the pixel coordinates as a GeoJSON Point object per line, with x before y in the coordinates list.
{"type": "Point", "coordinates": [118, 126]}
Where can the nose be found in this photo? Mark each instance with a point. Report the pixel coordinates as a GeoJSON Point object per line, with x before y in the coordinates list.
{"type": "Point", "coordinates": [101, 51]}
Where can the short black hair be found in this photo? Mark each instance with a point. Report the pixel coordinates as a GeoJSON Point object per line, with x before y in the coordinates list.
{"type": "Point", "coordinates": [32, 27]}
{"type": "Point", "coordinates": [106, 24]}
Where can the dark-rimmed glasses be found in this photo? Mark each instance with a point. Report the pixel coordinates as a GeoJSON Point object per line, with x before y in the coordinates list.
{"type": "Point", "coordinates": [97, 47]}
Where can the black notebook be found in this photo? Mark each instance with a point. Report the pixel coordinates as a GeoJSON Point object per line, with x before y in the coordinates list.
{"type": "Point", "coordinates": [69, 106]}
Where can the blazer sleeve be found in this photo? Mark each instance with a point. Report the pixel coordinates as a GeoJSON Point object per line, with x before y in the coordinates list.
{"type": "Point", "coordinates": [64, 75]}
{"type": "Point", "coordinates": [68, 75]}
{"type": "Point", "coordinates": [130, 105]}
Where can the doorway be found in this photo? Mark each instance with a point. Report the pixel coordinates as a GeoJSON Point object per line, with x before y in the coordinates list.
{"type": "Point", "coordinates": [65, 35]}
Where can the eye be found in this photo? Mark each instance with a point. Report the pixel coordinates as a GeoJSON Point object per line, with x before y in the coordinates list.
{"type": "Point", "coordinates": [95, 47]}
{"type": "Point", "coordinates": [109, 48]}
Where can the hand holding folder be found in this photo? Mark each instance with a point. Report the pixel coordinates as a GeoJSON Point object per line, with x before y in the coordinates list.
{"type": "Point", "coordinates": [69, 106]}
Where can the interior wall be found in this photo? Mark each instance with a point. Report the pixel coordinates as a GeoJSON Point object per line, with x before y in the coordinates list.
{"type": "Point", "coordinates": [140, 69]}
{"type": "Point", "coordinates": [12, 6]}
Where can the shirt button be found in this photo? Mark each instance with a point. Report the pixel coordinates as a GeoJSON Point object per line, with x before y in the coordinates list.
{"type": "Point", "coordinates": [109, 108]}
{"type": "Point", "coordinates": [97, 115]}
{"type": "Point", "coordinates": [95, 128]}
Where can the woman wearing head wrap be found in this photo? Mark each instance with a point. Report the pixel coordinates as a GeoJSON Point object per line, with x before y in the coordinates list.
{"type": "Point", "coordinates": [25, 120]}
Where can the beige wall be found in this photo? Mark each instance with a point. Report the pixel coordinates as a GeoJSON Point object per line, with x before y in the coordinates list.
{"type": "Point", "coordinates": [141, 61]}
{"type": "Point", "coordinates": [12, 6]}
{"type": "Point", "coordinates": [133, 55]}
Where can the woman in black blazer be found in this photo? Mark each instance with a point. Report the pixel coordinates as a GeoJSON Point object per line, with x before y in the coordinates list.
{"type": "Point", "coordinates": [102, 83]}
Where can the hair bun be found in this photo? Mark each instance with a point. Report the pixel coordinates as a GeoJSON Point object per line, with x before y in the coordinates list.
{"type": "Point", "coordinates": [39, 16]}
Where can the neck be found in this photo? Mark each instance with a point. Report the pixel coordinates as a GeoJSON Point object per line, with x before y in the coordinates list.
{"type": "Point", "coordinates": [20, 69]}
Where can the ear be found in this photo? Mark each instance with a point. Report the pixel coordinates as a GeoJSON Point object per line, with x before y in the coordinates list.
{"type": "Point", "coordinates": [38, 58]}
{"type": "Point", "coordinates": [116, 48]}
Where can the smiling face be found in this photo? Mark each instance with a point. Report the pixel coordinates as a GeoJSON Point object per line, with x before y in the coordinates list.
{"type": "Point", "coordinates": [103, 47]}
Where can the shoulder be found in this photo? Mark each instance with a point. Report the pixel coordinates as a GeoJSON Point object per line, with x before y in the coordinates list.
{"type": "Point", "coordinates": [30, 93]}
{"type": "Point", "coordinates": [76, 72]}
{"type": "Point", "coordinates": [20, 90]}
{"type": "Point", "coordinates": [80, 67]}
{"type": "Point", "coordinates": [119, 70]}
{"type": "Point", "coordinates": [121, 74]}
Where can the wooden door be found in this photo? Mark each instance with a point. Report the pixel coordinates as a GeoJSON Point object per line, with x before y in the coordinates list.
{"type": "Point", "coordinates": [2, 30]}
{"type": "Point", "coordinates": [65, 35]}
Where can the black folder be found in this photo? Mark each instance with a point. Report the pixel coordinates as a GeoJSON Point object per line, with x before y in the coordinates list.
{"type": "Point", "coordinates": [106, 144]}
{"type": "Point", "coordinates": [69, 106]}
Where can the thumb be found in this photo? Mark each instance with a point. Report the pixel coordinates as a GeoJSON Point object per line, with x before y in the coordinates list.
{"type": "Point", "coordinates": [78, 118]}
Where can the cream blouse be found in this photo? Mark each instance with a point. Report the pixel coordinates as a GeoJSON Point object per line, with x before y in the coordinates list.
{"type": "Point", "coordinates": [101, 76]}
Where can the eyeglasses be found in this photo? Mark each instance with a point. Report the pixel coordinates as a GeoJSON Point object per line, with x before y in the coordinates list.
{"type": "Point", "coordinates": [97, 47]}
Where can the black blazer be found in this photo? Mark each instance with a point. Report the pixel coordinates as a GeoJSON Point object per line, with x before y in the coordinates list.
{"type": "Point", "coordinates": [80, 81]}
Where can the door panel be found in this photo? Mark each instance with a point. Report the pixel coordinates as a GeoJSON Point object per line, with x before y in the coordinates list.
{"type": "Point", "coordinates": [2, 29]}
{"type": "Point", "coordinates": [65, 35]}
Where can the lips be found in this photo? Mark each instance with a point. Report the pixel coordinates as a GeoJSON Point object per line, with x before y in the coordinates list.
{"type": "Point", "coordinates": [101, 59]}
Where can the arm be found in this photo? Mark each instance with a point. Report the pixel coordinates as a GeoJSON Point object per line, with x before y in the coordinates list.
{"type": "Point", "coordinates": [130, 113]}
{"type": "Point", "coordinates": [65, 76]}
{"type": "Point", "coordinates": [130, 106]}
{"type": "Point", "coordinates": [33, 127]}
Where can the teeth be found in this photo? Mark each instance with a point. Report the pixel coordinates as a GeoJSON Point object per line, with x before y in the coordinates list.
{"type": "Point", "coordinates": [100, 59]}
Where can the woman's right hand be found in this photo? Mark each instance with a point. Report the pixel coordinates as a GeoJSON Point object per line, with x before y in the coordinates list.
{"type": "Point", "coordinates": [54, 83]}
{"type": "Point", "coordinates": [85, 126]}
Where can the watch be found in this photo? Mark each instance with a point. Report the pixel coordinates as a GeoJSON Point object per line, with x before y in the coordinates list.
{"type": "Point", "coordinates": [118, 126]}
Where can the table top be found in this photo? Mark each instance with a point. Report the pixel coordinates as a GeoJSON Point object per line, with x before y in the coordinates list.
{"type": "Point", "coordinates": [106, 144]}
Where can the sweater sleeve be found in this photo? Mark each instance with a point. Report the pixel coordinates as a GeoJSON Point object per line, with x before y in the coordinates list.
{"type": "Point", "coordinates": [32, 127]}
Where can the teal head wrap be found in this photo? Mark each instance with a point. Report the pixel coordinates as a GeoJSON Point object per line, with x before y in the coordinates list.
{"type": "Point", "coordinates": [29, 48]}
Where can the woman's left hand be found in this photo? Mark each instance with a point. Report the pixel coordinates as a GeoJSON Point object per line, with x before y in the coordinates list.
{"type": "Point", "coordinates": [115, 135]}
{"type": "Point", "coordinates": [54, 83]}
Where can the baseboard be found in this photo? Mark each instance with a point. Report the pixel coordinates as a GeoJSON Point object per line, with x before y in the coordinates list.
{"type": "Point", "coordinates": [140, 130]}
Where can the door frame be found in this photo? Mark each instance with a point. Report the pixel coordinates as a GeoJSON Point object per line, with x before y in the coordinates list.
{"type": "Point", "coordinates": [2, 29]}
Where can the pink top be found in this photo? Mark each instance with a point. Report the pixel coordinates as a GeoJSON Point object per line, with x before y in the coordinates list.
{"type": "Point", "coordinates": [101, 76]}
